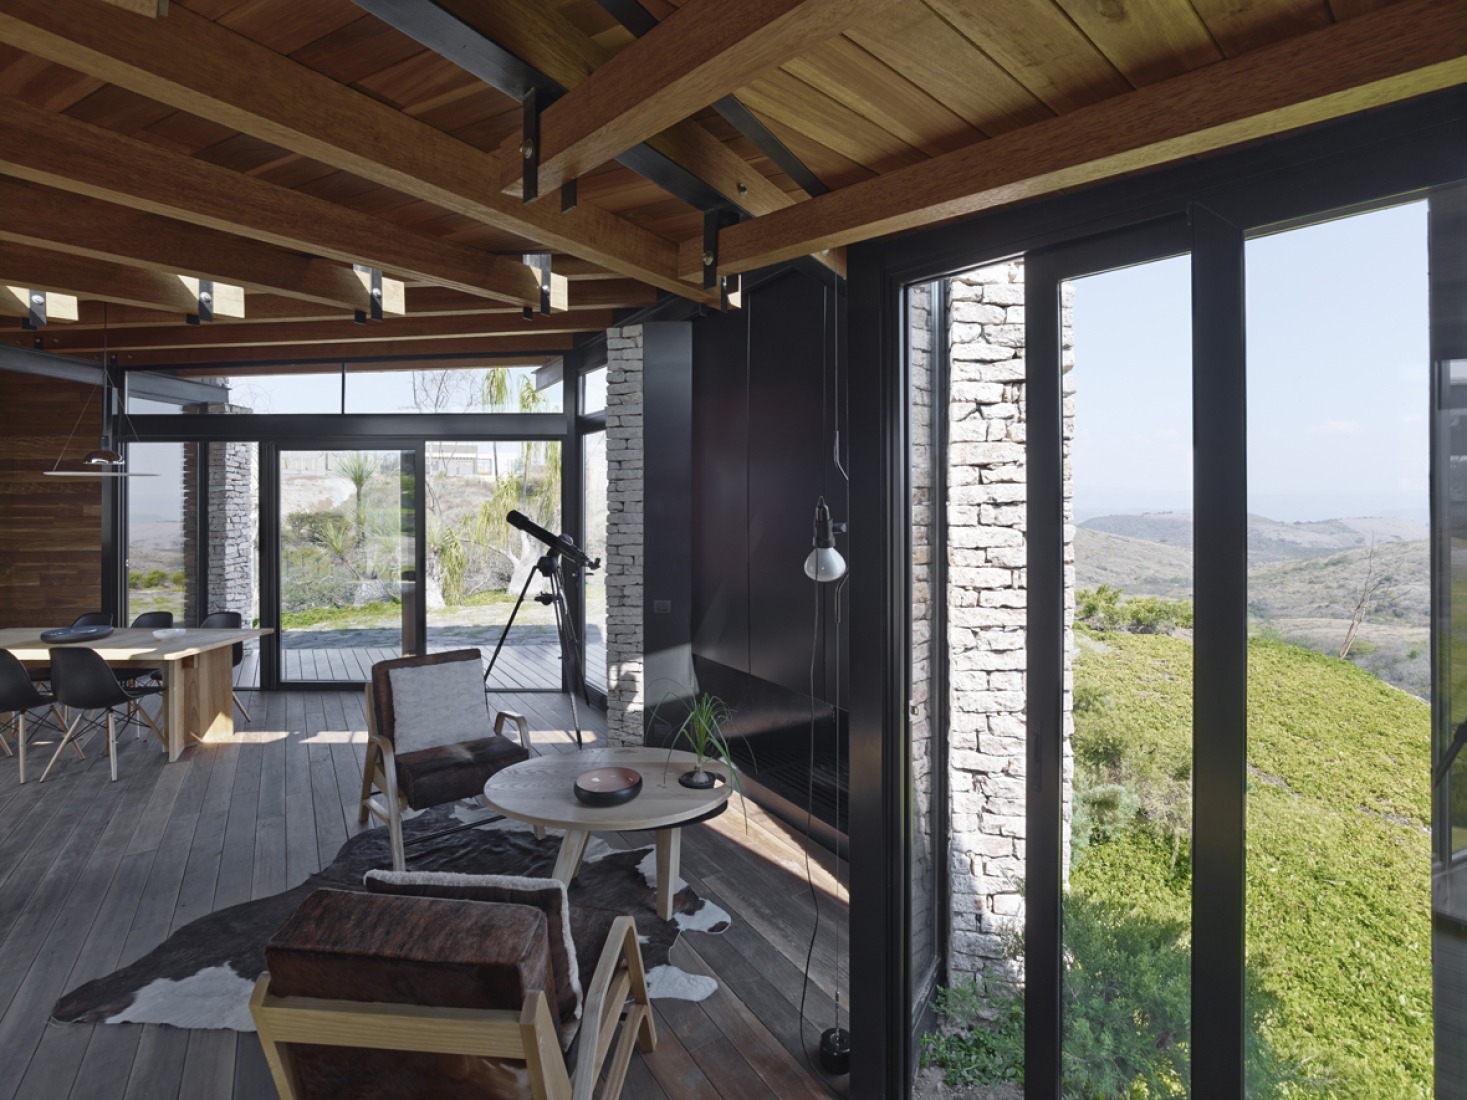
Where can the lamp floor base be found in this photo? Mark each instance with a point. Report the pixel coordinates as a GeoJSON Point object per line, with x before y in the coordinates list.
{"type": "Point", "coordinates": [835, 1051]}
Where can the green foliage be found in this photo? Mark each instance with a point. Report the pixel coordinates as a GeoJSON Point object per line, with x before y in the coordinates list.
{"type": "Point", "coordinates": [972, 1050]}
{"type": "Point", "coordinates": [1338, 899]}
{"type": "Point", "coordinates": [1103, 609]}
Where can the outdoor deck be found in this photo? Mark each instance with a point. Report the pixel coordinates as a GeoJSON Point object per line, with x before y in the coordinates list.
{"type": "Point", "coordinates": [522, 666]}
{"type": "Point", "coordinates": [95, 874]}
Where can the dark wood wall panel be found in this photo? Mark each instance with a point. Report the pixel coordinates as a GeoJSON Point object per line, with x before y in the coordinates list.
{"type": "Point", "coordinates": [50, 527]}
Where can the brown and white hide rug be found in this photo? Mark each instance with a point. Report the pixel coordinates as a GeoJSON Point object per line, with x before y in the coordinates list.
{"type": "Point", "coordinates": [203, 974]}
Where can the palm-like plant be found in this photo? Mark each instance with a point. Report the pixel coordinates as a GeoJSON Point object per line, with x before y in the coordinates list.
{"type": "Point", "coordinates": [702, 731]}
{"type": "Point", "coordinates": [358, 468]}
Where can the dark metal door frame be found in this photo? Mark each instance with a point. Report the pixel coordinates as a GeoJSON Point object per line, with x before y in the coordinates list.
{"type": "Point", "coordinates": [1392, 155]}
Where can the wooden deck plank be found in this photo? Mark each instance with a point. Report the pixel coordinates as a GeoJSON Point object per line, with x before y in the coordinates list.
{"type": "Point", "coordinates": [246, 816]}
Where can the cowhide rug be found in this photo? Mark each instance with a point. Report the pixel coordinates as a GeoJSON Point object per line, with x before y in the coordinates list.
{"type": "Point", "coordinates": [203, 974]}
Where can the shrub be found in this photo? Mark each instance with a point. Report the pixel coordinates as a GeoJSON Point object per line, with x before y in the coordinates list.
{"type": "Point", "coordinates": [971, 1050]}
{"type": "Point", "coordinates": [1103, 609]}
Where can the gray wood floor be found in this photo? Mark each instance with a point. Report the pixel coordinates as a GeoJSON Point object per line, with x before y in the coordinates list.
{"type": "Point", "coordinates": [95, 874]}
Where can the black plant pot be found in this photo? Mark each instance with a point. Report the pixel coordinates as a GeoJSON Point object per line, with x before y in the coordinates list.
{"type": "Point", "coordinates": [699, 780]}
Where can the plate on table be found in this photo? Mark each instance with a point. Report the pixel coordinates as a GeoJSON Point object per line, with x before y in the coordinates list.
{"type": "Point", "coordinates": [608, 786]}
{"type": "Point", "coordinates": [65, 634]}
{"type": "Point", "coordinates": [170, 632]}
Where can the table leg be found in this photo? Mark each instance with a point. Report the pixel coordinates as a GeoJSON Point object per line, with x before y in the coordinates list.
{"type": "Point", "coordinates": [669, 854]}
{"type": "Point", "coordinates": [572, 848]}
{"type": "Point", "coordinates": [198, 698]}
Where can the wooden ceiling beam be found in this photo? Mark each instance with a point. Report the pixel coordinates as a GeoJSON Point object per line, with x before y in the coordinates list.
{"type": "Point", "coordinates": [100, 280]}
{"type": "Point", "coordinates": [299, 334]}
{"type": "Point", "coordinates": [698, 54]}
{"type": "Point", "coordinates": [79, 158]}
{"type": "Point", "coordinates": [428, 301]}
{"type": "Point", "coordinates": [1409, 49]}
{"type": "Point", "coordinates": [100, 230]}
{"type": "Point", "coordinates": [364, 349]}
{"type": "Point", "coordinates": [549, 43]}
{"type": "Point", "coordinates": [191, 63]}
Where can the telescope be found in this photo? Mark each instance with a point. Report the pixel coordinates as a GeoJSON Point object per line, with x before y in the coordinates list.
{"type": "Point", "coordinates": [561, 544]}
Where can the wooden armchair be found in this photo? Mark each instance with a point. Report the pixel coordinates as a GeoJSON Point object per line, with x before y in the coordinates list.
{"type": "Point", "coordinates": [429, 739]}
{"type": "Point", "coordinates": [418, 997]}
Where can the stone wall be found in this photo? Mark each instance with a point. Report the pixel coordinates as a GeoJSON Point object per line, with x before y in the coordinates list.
{"type": "Point", "coordinates": [233, 487]}
{"type": "Point", "coordinates": [626, 703]}
{"type": "Point", "coordinates": [987, 597]}
{"type": "Point", "coordinates": [925, 919]}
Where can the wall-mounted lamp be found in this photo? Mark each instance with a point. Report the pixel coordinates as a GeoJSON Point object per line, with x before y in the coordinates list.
{"type": "Point", "coordinates": [825, 562]}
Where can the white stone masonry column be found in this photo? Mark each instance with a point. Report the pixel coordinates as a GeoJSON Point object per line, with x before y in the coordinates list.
{"type": "Point", "coordinates": [626, 700]}
{"type": "Point", "coordinates": [987, 601]}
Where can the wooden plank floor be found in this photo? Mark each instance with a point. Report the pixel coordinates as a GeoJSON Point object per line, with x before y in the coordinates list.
{"type": "Point", "coordinates": [95, 874]}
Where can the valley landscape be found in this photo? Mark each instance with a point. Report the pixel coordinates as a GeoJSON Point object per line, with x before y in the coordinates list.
{"type": "Point", "coordinates": [1305, 580]}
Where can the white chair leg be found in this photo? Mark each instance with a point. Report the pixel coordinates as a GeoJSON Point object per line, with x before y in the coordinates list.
{"type": "Point", "coordinates": [67, 739]}
{"type": "Point", "coordinates": [112, 742]}
{"type": "Point", "coordinates": [20, 742]}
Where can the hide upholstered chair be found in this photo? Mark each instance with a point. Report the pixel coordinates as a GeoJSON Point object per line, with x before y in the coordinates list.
{"type": "Point", "coordinates": [428, 993]}
{"type": "Point", "coordinates": [429, 738]}
{"type": "Point", "coordinates": [229, 620]}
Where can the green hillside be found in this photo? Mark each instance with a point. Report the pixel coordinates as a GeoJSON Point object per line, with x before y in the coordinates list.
{"type": "Point", "coordinates": [1338, 849]}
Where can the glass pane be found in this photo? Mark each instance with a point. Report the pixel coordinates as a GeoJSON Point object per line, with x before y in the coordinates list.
{"type": "Point", "coordinates": [285, 393]}
{"type": "Point", "coordinates": [478, 564]}
{"type": "Point", "coordinates": [346, 551]}
{"type": "Point", "coordinates": [593, 391]}
{"type": "Point", "coordinates": [595, 488]}
{"type": "Point", "coordinates": [1452, 694]}
{"type": "Point", "coordinates": [1339, 662]}
{"type": "Point", "coordinates": [1127, 906]}
{"type": "Point", "coordinates": [162, 540]}
{"type": "Point", "coordinates": [450, 390]}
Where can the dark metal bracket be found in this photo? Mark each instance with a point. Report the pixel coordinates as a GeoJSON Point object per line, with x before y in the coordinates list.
{"type": "Point", "coordinates": [535, 100]}
{"type": "Point", "coordinates": [205, 309]}
{"type": "Point", "coordinates": [35, 303]}
{"type": "Point", "coordinates": [713, 221]}
{"type": "Point", "coordinates": [728, 290]}
{"type": "Point", "coordinates": [540, 261]}
{"type": "Point", "coordinates": [373, 312]}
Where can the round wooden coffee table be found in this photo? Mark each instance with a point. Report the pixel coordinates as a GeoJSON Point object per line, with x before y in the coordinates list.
{"type": "Point", "coordinates": [539, 792]}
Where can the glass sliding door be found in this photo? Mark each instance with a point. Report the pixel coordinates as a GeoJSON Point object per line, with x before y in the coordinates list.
{"type": "Point", "coordinates": [1448, 353]}
{"type": "Point", "coordinates": [1126, 913]}
{"type": "Point", "coordinates": [162, 535]}
{"type": "Point", "coordinates": [1339, 659]}
{"type": "Point", "coordinates": [478, 564]}
{"type": "Point", "coordinates": [347, 547]}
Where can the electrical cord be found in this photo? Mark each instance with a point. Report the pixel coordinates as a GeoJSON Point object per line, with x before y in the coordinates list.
{"type": "Point", "coordinates": [809, 821]}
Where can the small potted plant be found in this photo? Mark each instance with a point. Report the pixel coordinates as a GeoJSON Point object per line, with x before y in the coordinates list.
{"type": "Point", "coordinates": [702, 730]}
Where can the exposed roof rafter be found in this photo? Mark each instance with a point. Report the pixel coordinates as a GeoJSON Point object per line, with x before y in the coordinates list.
{"type": "Point", "coordinates": [196, 65]}
{"type": "Point", "coordinates": [1409, 49]}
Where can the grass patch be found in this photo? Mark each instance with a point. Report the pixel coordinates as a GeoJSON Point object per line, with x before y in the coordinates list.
{"type": "Point", "coordinates": [1338, 879]}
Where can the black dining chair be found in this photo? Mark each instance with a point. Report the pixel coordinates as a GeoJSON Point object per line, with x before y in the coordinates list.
{"type": "Point", "coordinates": [83, 682]}
{"type": "Point", "coordinates": [18, 697]}
{"type": "Point", "coordinates": [229, 620]}
{"type": "Point", "coordinates": [90, 618]}
{"type": "Point", "coordinates": [134, 678]}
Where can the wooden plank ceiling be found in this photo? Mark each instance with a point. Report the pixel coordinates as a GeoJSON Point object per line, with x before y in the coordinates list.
{"type": "Point", "coordinates": [273, 144]}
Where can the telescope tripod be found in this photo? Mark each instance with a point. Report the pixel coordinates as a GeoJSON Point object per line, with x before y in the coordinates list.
{"type": "Point", "coordinates": [549, 566]}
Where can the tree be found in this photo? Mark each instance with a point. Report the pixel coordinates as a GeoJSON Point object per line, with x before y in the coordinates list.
{"type": "Point", "coordinates": [1369, 592]}
{"type": "Point", "coordinates": [358, 468]}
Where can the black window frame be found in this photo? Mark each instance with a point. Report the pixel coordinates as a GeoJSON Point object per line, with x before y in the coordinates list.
{"type": "Point", "coordinates": [1364, 161]}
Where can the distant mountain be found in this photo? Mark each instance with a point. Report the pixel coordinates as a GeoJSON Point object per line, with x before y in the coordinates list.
{"type": "Point", "coordinates": [1268, 539]}
{"type": "Point", "coordinates": [1304, 580]}
{"type": "Point", "coordinates": [1136, 566]}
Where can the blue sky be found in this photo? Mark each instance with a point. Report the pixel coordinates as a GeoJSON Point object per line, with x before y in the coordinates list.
{"type": "Point", "coordinates": [1338, 382]}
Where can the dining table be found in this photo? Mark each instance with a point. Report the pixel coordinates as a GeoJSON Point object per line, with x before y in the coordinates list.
{"type": "Point", "coordinates": [197, 664]}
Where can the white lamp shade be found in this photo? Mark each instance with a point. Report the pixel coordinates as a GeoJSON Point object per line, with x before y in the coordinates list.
{"type": "Point", "coordinates": [825, 564]}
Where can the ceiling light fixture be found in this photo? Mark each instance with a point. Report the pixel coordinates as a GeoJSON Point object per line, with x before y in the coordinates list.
{"type": "Point", "coordinates": [106, 460]}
